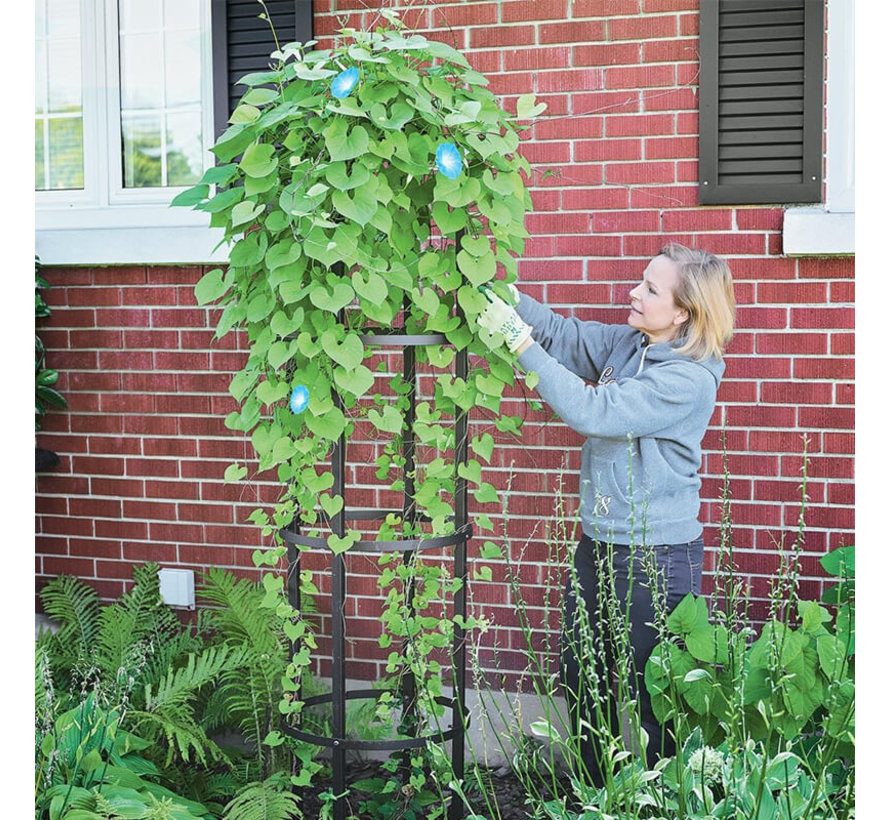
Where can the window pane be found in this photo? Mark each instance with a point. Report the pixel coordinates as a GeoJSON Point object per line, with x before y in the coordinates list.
{"type": "Point", "coordinates": [40, 90]}
{"type": "Point", "coordinates": [161, 85]}
{"type": "Point", "coordinates": [62, 18]}
{"type": "Point", "coordinates": [143, 151]}
{"type": "Point", "coordinates": [58, 95]}
{"type": "Point", "coordinates": [39, 164]}
{"type": "Point", "coordinates": [64, 75]}
{"type": "Point", "coordinates": [142, 74]}
{"type": "Point", "coordinates": [139, 15]}
{"type": "Point", "coordinates": [181, 15]}
{"type": "Point", "coordinates": [182, 55]}
{"type": "Point", "coordinates": [184, 160]}
{"type": "Point", "coordinates": [66, 152]}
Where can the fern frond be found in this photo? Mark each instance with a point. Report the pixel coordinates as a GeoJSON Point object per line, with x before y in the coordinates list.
{"type": "Point", "coordinates": [267, 800]}
{"type": "Point", "coordinates": [239, 617]}
{"type": "Point", "coordinates": [168, 707]}
{"type": "Point", "coordinates": [74, 606]}
{"type": "Point", "coordinates": [136, 617]}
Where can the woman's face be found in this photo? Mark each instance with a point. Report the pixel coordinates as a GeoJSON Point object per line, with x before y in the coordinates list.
{"type": "Point", "coordinates": [652, 307]}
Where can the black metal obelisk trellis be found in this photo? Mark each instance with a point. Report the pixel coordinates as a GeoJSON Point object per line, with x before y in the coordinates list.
{"type": "Point", "coordinates": [339, 742]}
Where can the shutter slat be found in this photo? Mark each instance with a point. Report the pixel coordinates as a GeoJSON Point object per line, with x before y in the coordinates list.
{"type": "Point", "coordinates": [761, 47]}
{"type": "Point", "coordinates": [760, 106]}
{"type": "Point", "coordinates": [746, 151]}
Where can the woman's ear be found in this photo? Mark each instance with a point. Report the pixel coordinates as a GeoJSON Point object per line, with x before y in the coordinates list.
{"type": "Point", "coordinates": [681, 316]}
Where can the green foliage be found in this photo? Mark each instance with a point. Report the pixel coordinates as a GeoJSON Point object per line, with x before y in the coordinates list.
{"type": "Point", "coordinates": [342, 218]}
{"type": "Point", "coordinates": [131, 670]}
{"type": "Point", "coordinates": [270, 798]}
{"type": "Point", "coordinates": [793, 679]}
{"type": "Point", "coordinates": [87, 766]}
{"type": "Point", "coordinates": [46, 395]}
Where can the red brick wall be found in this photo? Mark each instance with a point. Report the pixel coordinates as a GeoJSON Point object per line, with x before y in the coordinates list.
{"type": "Point", "coordinates": [143, 446]}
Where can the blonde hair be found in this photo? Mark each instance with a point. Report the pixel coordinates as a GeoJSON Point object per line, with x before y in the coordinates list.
{"type": "Point", "coordinates": [705, 293]}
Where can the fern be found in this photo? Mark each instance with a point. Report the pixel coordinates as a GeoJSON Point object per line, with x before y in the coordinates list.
{"type": "Point", "coordinates": [252, 691]}
{"type": "Point", "coordinates": [267, 800]}
{"type": "Point", "coordinates": [74, 606]}
{"type": "Point", "coordinates": [139, 617]}
{"type": "Point", "coordinates": [168, 708]}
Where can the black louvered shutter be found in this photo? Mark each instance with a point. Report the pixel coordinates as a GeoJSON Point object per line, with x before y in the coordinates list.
{"type": "Point", "coordinates": [760, 103]}
{"type": "Point", "coordinates": [242, 43]}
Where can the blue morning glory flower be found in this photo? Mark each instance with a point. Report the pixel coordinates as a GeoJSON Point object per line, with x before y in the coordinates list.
{"type": "Point", "coordinates": [448, 160]}
{"type": "Point", "coordinates": [299, 399]}
{"type": "Point", "coordinates": [344, 82]}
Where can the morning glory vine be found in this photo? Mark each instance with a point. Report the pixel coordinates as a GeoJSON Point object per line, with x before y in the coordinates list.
{"type": "Point", "coordinates": [372, 185]}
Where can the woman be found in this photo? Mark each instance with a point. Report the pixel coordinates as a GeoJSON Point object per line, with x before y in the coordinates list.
{"type": "Point", "coordinates": [642, 394]}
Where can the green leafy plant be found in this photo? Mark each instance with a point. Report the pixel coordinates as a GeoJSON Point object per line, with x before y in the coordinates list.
{"type": "Point", "coordinates": [46, 395]}
{"type": "Point", "coordinates": [197, 702]}
{"type": "Point", "coordinates": [373, 185]}
{"type": "Point", "coordinates": [89, 768]}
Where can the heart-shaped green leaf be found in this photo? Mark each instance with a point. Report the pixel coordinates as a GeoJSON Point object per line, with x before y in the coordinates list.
{"type": "Point", "coordinates": [390, 421]}
{"type": "Point", "coordinates": [269, 392]}
{"type": "Point", "coordinates": [427, 300]}
{"type": "Point", "coordinates": [344, 178]}
{"type": "Point", "coordinates": [356, 380]}
{"type": "Point", "coordinates": [331, 505]}
{"type": "Point", "coordinates": [483, 446]}
{"type": "Point", "coordinates": [359, 208]}
{"type": "Point", "coordinates": [471, 471]}
{"type": "Point", "coordinates": [343, 142]}
{"type": "Point", "coordinates": [477, 269]}
{"type": "Point", "coordinates": [527, 108]}
{"type": "Point", "coordinates": [233, 473]}
{"type": "Point", "coordinates": [282, 253]}
{"type": "Point", "coordinates": [328, 426]}
{"type": "Point", "coordinates": [210, 287]}
{"type": "Point", "coordinates": [449, 221]}
{"type": "Point", "coordinates": [332, 298]}
{"type": "Point", "coordinates": [284, 325]}
{"type": "Point", "coordinates": [339, 545]}
{"type": "Point", "coordinates": [245, 212]}
{"type": "Point", "coordinates": [370, 286]}
{"type": "Point", "coordinates": [259, 160]}
{"type": "Point", "coordinates": [348, 351]}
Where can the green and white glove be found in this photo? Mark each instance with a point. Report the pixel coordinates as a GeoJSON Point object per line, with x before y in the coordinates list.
{"type": "Point", "coordinates": [499, 317]}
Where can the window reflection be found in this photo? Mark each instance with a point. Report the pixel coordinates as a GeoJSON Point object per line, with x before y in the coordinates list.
{"type": "Point", "coordinates": [161, 123]}
{"type": "Point", "coordinates": [58, 97]}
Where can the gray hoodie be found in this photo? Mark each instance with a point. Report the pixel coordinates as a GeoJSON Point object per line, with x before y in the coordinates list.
{"type": "Point", "coordinates": [644, 418]}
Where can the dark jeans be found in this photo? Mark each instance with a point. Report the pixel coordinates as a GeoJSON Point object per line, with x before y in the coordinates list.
{"type": "Point", "coordinates": [589, 661]}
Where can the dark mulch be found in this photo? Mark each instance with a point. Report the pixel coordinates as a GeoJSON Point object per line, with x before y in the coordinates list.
{"type": "Point", "coordinates": [505, 791]}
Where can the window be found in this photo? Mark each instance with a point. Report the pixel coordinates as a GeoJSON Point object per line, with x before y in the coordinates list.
{"type": "Point", "coordinates": [761, 101]}
{"type": "Point", "coordinates": [124, 119]}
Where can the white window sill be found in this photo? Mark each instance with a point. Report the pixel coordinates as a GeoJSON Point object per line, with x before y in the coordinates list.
{"type": "Point", "coordinates": [817, 232]}
{"type": "Point", "coordinates": [127, 236]}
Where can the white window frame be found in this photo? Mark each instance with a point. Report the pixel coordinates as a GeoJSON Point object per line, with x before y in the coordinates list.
{"type": "Point", "coordinates": [105, 223]}
{"type": "Point", "coordinates": [830, 229]}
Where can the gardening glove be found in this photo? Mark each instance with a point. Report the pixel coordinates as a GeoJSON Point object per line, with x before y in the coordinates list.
{"type": "Point", "coordinates": [499, 317]}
